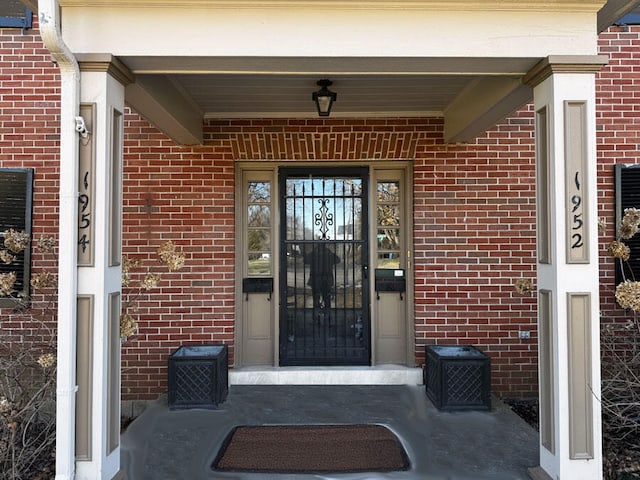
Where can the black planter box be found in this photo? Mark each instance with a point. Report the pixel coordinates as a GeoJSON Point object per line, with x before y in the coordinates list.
{"type": "Point", "coordinates": [458, 377]}
{"type": "Point", "coordinates": [198, 376]}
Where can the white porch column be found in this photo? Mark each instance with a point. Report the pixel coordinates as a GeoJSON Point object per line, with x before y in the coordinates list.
{"type": "Point", "coordinates": [567, 233]}
{"type": "Point", "coordinates": [102, 82]}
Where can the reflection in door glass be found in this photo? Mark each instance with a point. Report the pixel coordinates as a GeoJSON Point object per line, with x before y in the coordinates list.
{"type": "Point", "coordinates": [327, 209]}
{"type": "Point", "coordinates": [259, 192]}
{"type": "Point", "coordinates": [388, 192]}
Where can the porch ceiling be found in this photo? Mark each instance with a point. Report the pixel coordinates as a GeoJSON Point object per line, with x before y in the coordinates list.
{"type": "Point", "coordinates": [175, 91]}
{"type": "Point", "coordinates": [241, 95]}
{"type": "Point", "coordinates": [282, 87]}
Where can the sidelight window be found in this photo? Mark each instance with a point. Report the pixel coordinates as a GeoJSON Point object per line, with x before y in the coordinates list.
{"type": "Point", "coordinates": [259, 258]}
{"type": "Point", "coordinates": [388, 224]}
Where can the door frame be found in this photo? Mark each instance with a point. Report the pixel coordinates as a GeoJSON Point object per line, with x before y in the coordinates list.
{"type": "Point", "coordinates": [377, 169]}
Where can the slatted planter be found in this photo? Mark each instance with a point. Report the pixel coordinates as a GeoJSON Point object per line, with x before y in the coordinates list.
{"type": "Point", "coordinates": [198, 376]}
{"type": "Point", "coordinates": [458, 377]}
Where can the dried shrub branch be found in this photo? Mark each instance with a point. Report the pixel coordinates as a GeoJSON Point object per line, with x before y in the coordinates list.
{"type": "Point", "coordinates": [28, 361]}
{"type": "Point", "coordinates": [620, 397]}
{"type": "Point", "coordinates": [135, 286]}
{"type": "Point", "coordinates": [620, 365]}
{"type": "Point", "coordinates": [28, 372]}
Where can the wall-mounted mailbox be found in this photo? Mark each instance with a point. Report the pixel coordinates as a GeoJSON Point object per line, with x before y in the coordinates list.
{"type": "Point", "coordinates": [257, 285]}
{"type": "Point", "coordinates": [390, 280]}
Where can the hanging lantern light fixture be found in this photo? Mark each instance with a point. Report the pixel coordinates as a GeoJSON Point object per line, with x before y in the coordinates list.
{"type": "Point", "coordinates": [324, 97]}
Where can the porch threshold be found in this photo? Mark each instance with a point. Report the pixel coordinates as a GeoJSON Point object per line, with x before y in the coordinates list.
{"type": "Point", "coordinates": [378, 375]}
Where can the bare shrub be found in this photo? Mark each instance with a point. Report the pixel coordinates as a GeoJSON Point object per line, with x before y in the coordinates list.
{"type": "Point", "coordinates": [28, 355]}
{"type": "Point", "coordinates": [27, 372]}
{"type": "Point", "coordinates": [620, 354]}
{"type": "Point", "coordinates": [27, 413]}
{"type": "Point", "coordinates": [620, 398]}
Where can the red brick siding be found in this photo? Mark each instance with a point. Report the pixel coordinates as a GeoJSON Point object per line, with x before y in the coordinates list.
{"type": "Point", "coordinates": [184, 194]}
{"type": "Point", "coordinates": [474, 235]}
{"type": "Point", "coordinates": [474, 210]}
{"type": "Point", "coordinates": [29, 138]}
{"type": "Point", "coordinates": [618, 133]}
{"type": "Point", "coordinates": [618, 123]}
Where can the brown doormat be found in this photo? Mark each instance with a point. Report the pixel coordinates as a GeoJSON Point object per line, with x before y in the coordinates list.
{"type": "Point", "coordinates": [311, 448]}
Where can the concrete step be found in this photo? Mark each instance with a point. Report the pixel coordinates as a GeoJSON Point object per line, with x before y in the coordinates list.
{"type": "Point", "coordinates": [378, 375]}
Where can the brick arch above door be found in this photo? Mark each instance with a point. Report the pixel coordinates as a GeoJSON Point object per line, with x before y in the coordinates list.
{"type": "Point", "coordinates": [398, 139]}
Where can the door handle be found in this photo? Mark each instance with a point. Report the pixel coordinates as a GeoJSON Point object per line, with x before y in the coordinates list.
{"type": "Point", "coordinates": [365, 271]}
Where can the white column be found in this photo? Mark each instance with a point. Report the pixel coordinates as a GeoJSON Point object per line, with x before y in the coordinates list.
{"type": "Point", "coordinates": [568, 280]}
{"type": "Point", "coordinates": [99, 270]}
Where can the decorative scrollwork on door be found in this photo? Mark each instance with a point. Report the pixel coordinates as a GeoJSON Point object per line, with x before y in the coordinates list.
{"type": "Point", "coordinates": [324, 219]}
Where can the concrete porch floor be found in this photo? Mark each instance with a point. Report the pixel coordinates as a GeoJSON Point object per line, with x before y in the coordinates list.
{"type": "Point", "coordinates": [181, 445]}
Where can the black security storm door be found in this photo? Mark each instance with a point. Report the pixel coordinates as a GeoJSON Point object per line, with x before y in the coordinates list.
{"type": "Point", "coordinates": [324, 303]}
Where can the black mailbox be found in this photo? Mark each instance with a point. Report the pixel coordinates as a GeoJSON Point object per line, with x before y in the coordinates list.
{"type": "Point", "coordinates": [257, 285]}
{"type": "Point", "coordinates": [390, 280]}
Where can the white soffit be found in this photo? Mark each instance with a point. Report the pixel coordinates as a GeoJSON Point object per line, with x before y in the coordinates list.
{"type": "Point", "coordinates": [248, 59]}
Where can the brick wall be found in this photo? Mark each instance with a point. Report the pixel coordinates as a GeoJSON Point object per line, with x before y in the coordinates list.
{"type": "Point", "coordinates": [184, 194]}
{"type": "Point", "coordinates": [618, 130]}
{"type": "Point", "coordinates": [475, 235]}
{"type": "Point", "coordinates": [474, 210]}
{"type": "Point", "coordinates": [29, 138]}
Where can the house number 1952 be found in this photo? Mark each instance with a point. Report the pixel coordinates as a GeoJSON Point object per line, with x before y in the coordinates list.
{"type": "Point", "coordinates": [576, 200]}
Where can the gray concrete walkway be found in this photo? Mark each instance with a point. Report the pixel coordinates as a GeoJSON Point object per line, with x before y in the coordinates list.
{"type": "Point", "coordinates": [181, 445]}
